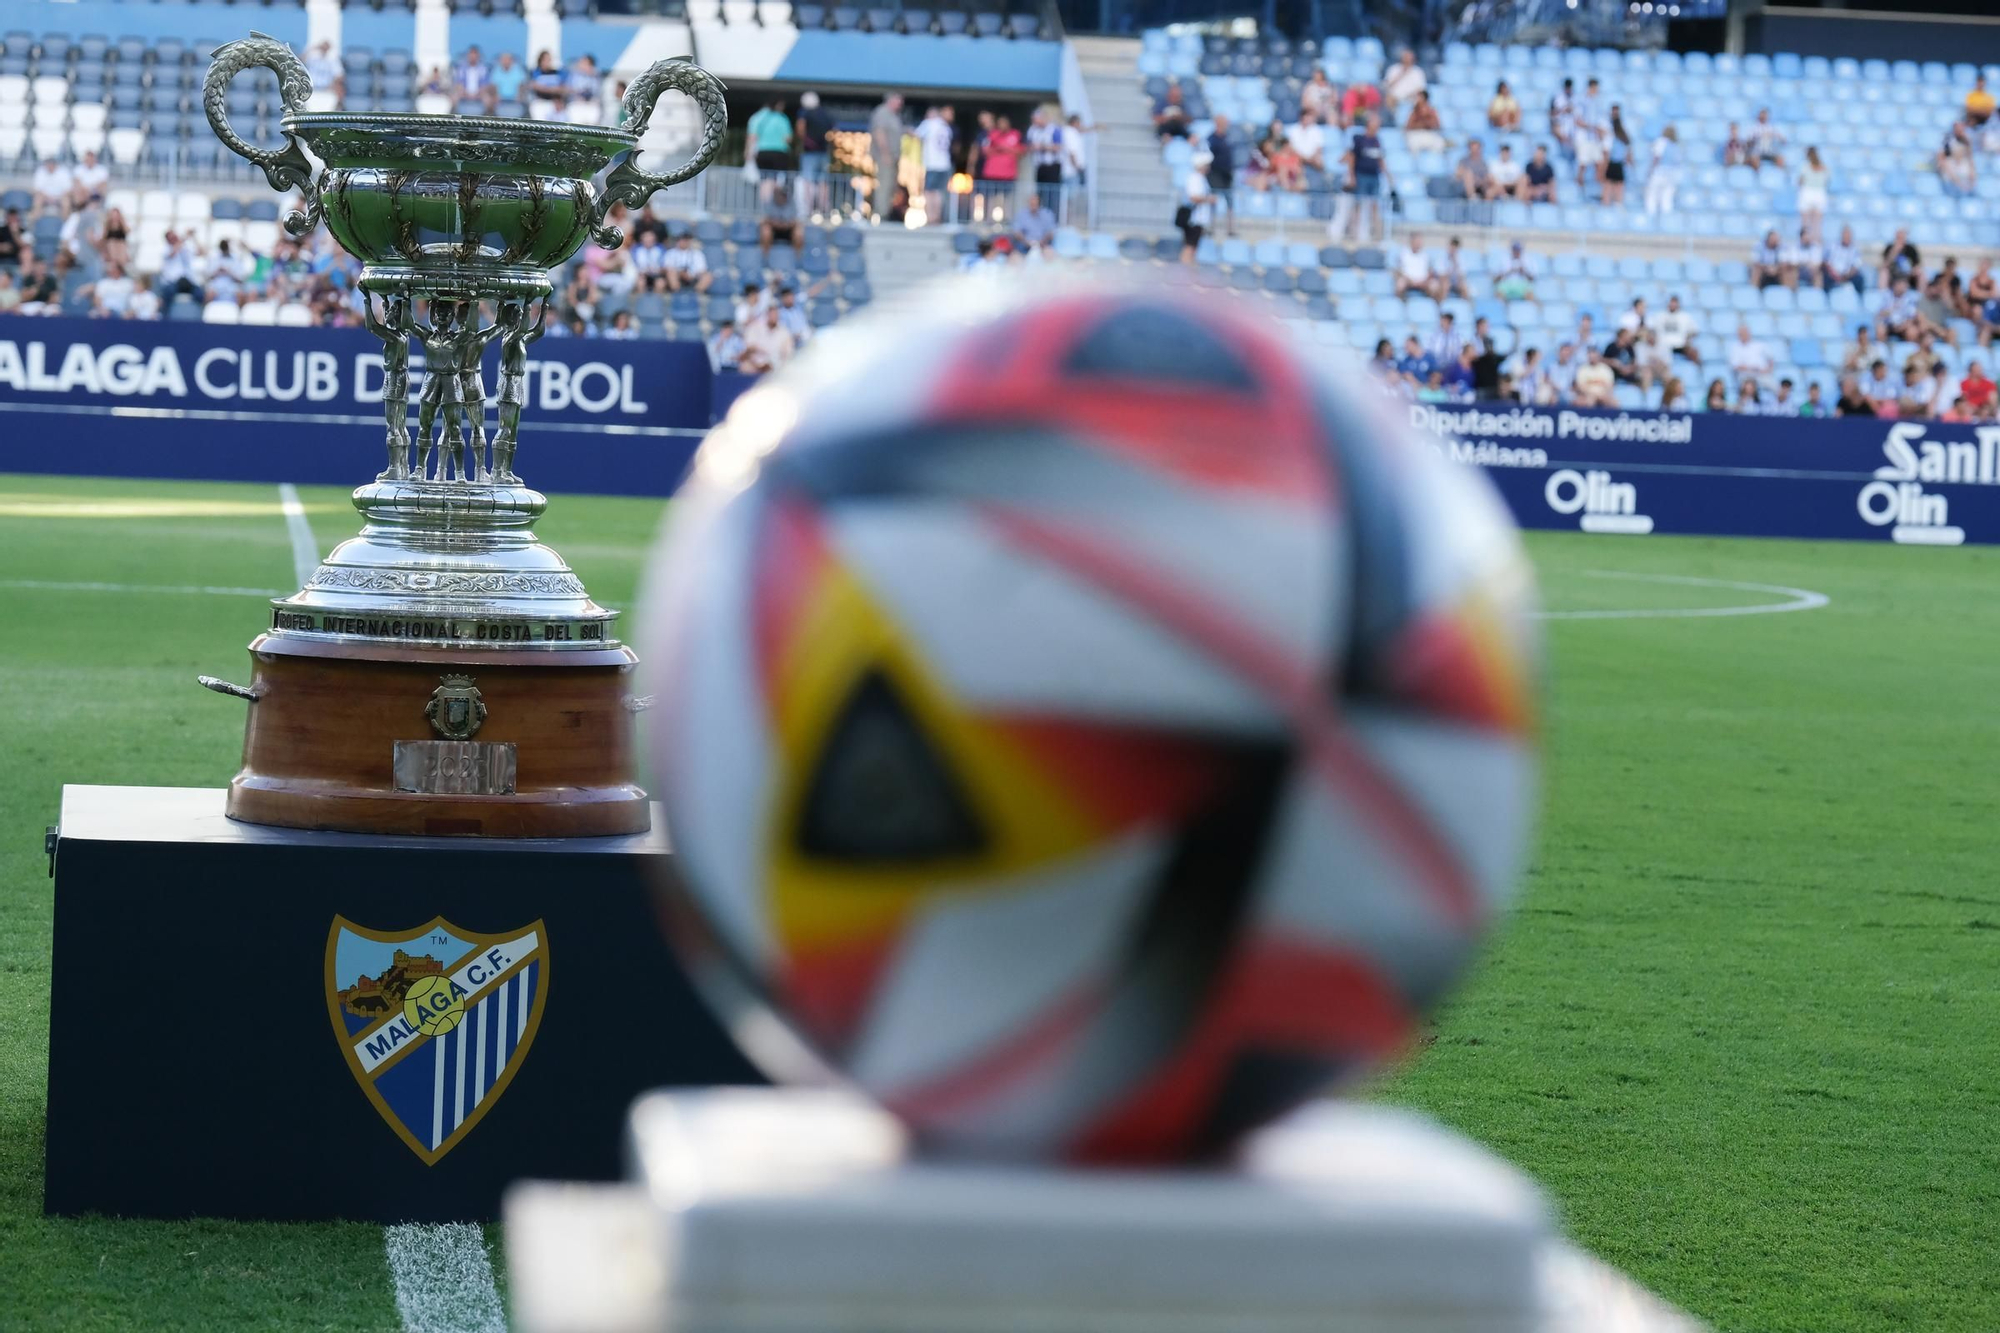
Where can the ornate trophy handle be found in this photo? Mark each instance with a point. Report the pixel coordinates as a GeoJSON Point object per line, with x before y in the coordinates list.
{"type": "Point", "coordinates": [632, 187]}
{"type": "Point", "coordinates": [287, 167]}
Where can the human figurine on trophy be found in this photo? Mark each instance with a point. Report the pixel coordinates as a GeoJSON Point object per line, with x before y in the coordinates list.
{"type": "Point", "coordinates": [452, 217]}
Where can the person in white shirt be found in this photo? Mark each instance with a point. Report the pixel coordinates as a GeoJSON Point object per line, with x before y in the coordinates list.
{"type": "Point", "coordinates": [1045, 151]}
{"type": "Point", "coordinates": [1748, 356]}
{"type": "Point", "coordinates": [1506, 173]}
{"type": "Point", "coordinates": [649, 261]}
{"type": "Point", "coordinates": [52, 184]}
{"type": "Point", "coordinates": [793, 316]}
{"type": "Point", "coordinates": [325, 67]}
{"type": "Point", "coordinates": [750, 309]}
{"type": "Point", "coordinates": [686, 267]}
{"type": "Point", "coordinates": [1767, 141]}
{"type": "Point", "coordinates": [1308, 140]}
{"type": "Point", "coordinates": [145, 304]}
{"type": "Point", "coordinates": [90, 175]}
{"type": "Point", "coordinates": [616, 276]}
{"type": "Point", "coordinates": [1677, 330]}
{"type": "Point", "coordinates": [1415, 273]}
{"type": "Point", "coordinates": [1663, 178]}
{"type": "Point", "coordinates": [112, 293]}
{"type": "Point", "coordinates": [934, 134]}
{"type": "Point", "coordinates": [1633, 321]}
{"type": "Point", "coordinates": [622, 328]}
{"type": "Point", "coordinates": [227, 272]}
{"type": "Point", "coordinates": [1801, 261]}
{"type": "Point", "coordinates": [767, 343]}
{"type": "Point", "coordinates": [1404, 80]}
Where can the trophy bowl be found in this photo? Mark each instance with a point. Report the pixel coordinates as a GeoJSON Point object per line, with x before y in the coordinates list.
{"type": "Point", "coordinates": [444, 672]}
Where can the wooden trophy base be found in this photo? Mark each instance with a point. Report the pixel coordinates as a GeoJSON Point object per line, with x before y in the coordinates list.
{"type": "Point", "coordinates": [372, 738]}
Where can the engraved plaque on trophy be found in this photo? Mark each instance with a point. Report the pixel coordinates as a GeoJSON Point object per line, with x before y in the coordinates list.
{"type": "Point", "coordinates": [444, 672]}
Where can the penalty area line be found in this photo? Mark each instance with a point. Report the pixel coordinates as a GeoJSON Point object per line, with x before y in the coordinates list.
{"type": "Point", "coordinates": [444, 1280]}
{"type": "Point", "coordinates": [1797, 599]}
{"type": "Point", "coordinates": [305, 551]}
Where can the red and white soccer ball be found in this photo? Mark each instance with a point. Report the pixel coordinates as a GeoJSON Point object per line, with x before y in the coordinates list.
{"type": "Point", "coordinates": [1087, 726]}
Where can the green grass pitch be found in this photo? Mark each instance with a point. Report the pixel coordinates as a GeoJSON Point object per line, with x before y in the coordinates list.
{"type": "Point", "coordinates": [1742, 1026]}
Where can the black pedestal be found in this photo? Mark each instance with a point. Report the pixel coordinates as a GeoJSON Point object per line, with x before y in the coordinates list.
{"type": "Point", "coordinates": [206, 1059]}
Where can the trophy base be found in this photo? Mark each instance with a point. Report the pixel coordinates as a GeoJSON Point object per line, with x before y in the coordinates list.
{"type": "Point", "coordinates": [364, 737]}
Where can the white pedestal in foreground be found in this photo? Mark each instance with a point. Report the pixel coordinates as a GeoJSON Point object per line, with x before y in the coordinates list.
{"type": "Point", "coordinates": [788, 1211]}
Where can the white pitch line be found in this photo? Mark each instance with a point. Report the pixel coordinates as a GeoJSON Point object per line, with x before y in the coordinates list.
{"type": "Point", "coordinates": [305, 551]}
{"type": "Point", "coordinates": [1801, 599]}
{"type": "Point", "coordinates": [49, 585]}
{"type": "Point", "coordinates": [444, 1281]}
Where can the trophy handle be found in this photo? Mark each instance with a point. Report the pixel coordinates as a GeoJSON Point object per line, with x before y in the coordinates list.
{"type": "Point", "coordinates": [632, 187]}
{"type": "Point", "coordinates": [287, 167]}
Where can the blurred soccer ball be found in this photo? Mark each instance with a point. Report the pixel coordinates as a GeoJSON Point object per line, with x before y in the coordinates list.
{"type": "Point", "coordinates": [1086, 725]}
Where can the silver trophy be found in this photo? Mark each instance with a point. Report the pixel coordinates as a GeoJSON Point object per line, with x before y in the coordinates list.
{"type": "Point", "coordinates": [446, 616]}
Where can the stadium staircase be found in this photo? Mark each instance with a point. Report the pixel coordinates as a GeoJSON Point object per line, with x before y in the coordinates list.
{"type": "Point", "coordinates": [1134, 188]}
{"type": "Point", "coordinates": [902, 261]}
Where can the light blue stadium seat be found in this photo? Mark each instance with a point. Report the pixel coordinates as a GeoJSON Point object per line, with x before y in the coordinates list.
{"type": "Point", "coordinates": [1344, 282]}
{"type": "Point", "coordinates": [1567, 264]}
{"type": "Point", "coordinates": [1511, 214]}
{"type": "Point", "coordinates": [1102, 245]}
{"type": "Point", "coordinates": [1269, 254]}
{"type": "Point", "coordinates": [1377, 282]}
{"type": "Point", "coordinates": [1778, 298]}
{"type": "Point", "coordinates": [1386, 309]}
{"type": "Point", "coordinates": [1236, 251]}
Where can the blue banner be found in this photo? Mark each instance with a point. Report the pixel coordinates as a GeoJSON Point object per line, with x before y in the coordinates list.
{"type": "Point", "coordinates": [1848, 478]}
{"type": "Point", "coordinates": [236, 403]}
{"type": "Point", "coordinates": [253, 403]}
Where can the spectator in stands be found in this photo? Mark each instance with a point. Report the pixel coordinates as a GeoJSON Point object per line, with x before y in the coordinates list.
{"type": "Point", "coordinates": [111, 295]}
{"type": "Point", "coordinates": [51, 185]}
{"type": "Point", "coordinates": [1460, 378]}
{"type": "Point", "coordinates": [1360, 98]}
{"type": "Point", "coordinates": [812, 127]}
{"type": "Point", "coordinates": [1802, 260]}
{"type": "Point", "coordinates": [1852, 401]}
{"type": "Point", "coordinates": [1782, 403]}
{"type": "Point", "coordinates": [1843, 262]}
{"type": "Point", "coordinates": [325, 69]}
{"type": "Point", "coordinates": [1982, 297]}
{"type": "Point", "coordinates": [686, 267]}
{"type": "Point", "coordinates": [750, 305]}
{"type": "Point", "coordinates": [1957, 172]}
{"type": "Point", "coordinates": [1415, 365]}
{"type": "Point", "coordinates": [1197, 207]}
{"type": "Point", "coordinates": [767, 343]}
{"type": "Point", "coordinates": [1170, 118]}
{"type": "Point", "coordinates": [1813, 182]}
{"type": "Point", "coordinates": [1383, 364]}
{"type": "Point", "coordinates": [725, 348]}
{"type": "Point", "coordinates": [1590, 109]}
{"type": "Point", "coordinates": [1367, 173]}
{"type": "Point", "coordinates": [1718, 397]}
{"type": "Point", "coordinates": [1882, 389]}
{"type": "Point", "coordinates": [508, 80]}
{"type": "Point", "coordinates": [1515, 281]}
{"type": "Point", "coordinates": [1562, 115]}
{"type": "Point", "coordinates": [1899, 257]}
{"type": "Point", "coordinates": [228, 272]}
{"type": "Point", "coordinates": [1423, 132]}
{"type": "Point", "coordinates": [1562, 371]}
{"type": "Point", "coordinates": [1045, 150]}
{"type": "Point", "coordinates": [793, 316]}
{"type": "Point", "coordinates": [13, 238]}
{"type": "Point", "coordinates": [1900, 317]}
{"type": "Point", "coordinates": [1914, 400]}
{"type": "Point", "coordinates": [1622, 355]}
{"type": "Point", "coordinates": [1767, 141]}
{"type": "Point", "coordinates": [91, 178]}
{"type": "Point", "coordinates": [1532, 385]}
{"type": "Point", "coordinates": [41, 294]}
{"type": "Point", "coordinates": [1976, 391]}
{"type": "Point", "coordinates": [1540, 178]}
{"type": "Point", "coordinates": [472, 79]}
{"type": "Point", "coordinates": [1673, 395]}
{"type": "Point", "coordinates": [114, 238]}
{"type": "Point", "coordinates": [1308, 140]}
{"type": "Point", "coordinates": [1404, 80]}
{"type": "Point", "coordinates": [1749, 399]}
{"type": "Point", "coordinates": [1979, 102]}
{"type": "Point", "coordinates": [1677, 330]}
{"type": "Point", "coordinates": [1076, 168]}
{"type": "Point", "coordinates": [1663, 176]}
{"type": "Point", "coordinates": [1474, 175]}
{"type": "Point", "coordinates": [1038, 224]}
{"type": "Point", "coordinates": [1935, 304]}
{"type": "Point", "coordinates": [10, 293]}
{"type": "Point", "coordinates": [1414, 273]}
{"type": "Point", "coordinates": [1863, 350]}
{"type": "Point", "coordinates": [622, 328]}
{"type": "Point", "coordinates": [1814, 406]}
{"type": "Point", "coordinates": [614, 273]}
{"type": "Point", "coordinates": [1634, 318]}
{"type": "Point", "coordinates": [885, 143]}
{"type": "Point", "coordinates": [1506, 174]}
{"type": "Point", "coordinates": [1503, 113]}
{"type": "Point", "coordinates": [1587, 147]}
{"type": "Point", "coordinates": [583, 86]}
{"type": "Point", "coordinates": [769, 137]}
{"type": "Point", "coordinates": [1319, 96]}
{"type": "Point", "coordinates": [1767, 262]}
{"type": "Point", "coordinates": [546, 84]}
{"type": "Point", "coordinates": [1222, 169]}
{"type": "Point", "coordinates": [779, 224]}
{"type": "Point", "coordinates": [1617, 155]}
{"type": "Point", "coordinates": [1283, 169]}
{"type": "Point", "coordinates": [1596, 382]}
{"type": "Point", "coordinates": [1445, 342]}
{"type": "Point", "coordinates": [934, 135]}
{"type": "Point", "coordinates": [1736, 150]}
{"type": "Point", "coordinates": [649, 261]}
{"type": "Point", "coordinates": [1451, 272]}
{"type": "Point", "coordinates": [437, 83]}
{"type": "Point", "coordinates": [1748, 355]}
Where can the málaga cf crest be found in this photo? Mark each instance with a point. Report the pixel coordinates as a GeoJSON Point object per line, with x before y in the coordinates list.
{"type": "Point", "coordinates": [435, 1021]}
